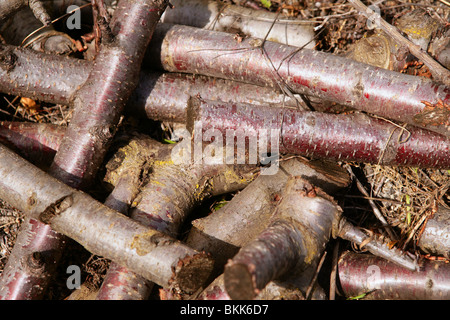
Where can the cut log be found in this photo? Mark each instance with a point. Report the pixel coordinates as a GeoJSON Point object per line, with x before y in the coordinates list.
{"type": "Point", "coordinates": [370, 277]}
{"type": "Point", "coordinates": [36, 142]}
{"type": "Point", "coordinates": [301, 226]}
{"type": "Point", "coordinates": [98, 105]}
{"type": "Point", "coordinates": [343, 137]}
{"type": "Point", "coordinates": [223, 232]}
{"type": "Point", "coordinates": [103, 231]}
{"type": "Point", "coordinates": [308, 72]}
{"type": "Point", "coordinates": [241, 21]}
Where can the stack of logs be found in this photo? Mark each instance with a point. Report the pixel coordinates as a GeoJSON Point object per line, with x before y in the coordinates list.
{"type": "Point", "coordinates": [267, 242]}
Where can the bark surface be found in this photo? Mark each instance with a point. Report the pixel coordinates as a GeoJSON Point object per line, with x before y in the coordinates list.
{"type": "Point", "coordinates": [159, 96]}
{"type": "Point", "coordinates": [343, 137]}
{"type": "Point", "coordinates": [223, 232]}
{"type": "Point", "coordinates": [376, 278]}
{"type": "Point", "coordinates": [98, 105]}
{"type": "Point", "coordinates": [103, 231]}
{"type": "Point", "coordinates": [330, 77]}
{"type": "Point", "coordinates": [301, 226]}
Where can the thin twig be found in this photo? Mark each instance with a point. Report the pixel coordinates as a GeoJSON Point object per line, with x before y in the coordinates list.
{"type": "Point", "coordinates": [375, 209]}
{"type": "Point", "coordinates": [314, 279]}
{"type": "Point", "coordinates": [333, 273]}
{"type": "Point", "coordinates": [437, 70]}
{"type": "Point", "coordinates": [53, 21]}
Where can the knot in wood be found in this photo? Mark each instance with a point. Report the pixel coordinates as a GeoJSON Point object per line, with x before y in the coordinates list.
{"type": "Point", "coordinates": [8, 58]}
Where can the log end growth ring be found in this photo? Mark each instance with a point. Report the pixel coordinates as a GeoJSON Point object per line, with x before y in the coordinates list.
{"type": "Point", "coordinates": [239, 282]}
{"type": "Point", "coordinates": [191, 272]}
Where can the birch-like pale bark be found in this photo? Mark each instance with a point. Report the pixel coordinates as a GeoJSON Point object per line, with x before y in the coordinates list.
{"type": "Point", "coordinates": [159, 96]}
{"type": "Point", "coordinates": [98, 105]}
{"type": "Point", "coordinates": [103, 231]}
{"type": "Point", "coordinates": [241, 21]}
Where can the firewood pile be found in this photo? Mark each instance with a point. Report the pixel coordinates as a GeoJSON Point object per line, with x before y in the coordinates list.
{"type": "Point", "coordinates": [216, 150]}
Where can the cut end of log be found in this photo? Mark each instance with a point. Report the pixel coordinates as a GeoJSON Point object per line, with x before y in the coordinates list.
{"type": "Point", "coordinates": [239, 282]}
{"type": "Point", "coordinates": [192, 272]}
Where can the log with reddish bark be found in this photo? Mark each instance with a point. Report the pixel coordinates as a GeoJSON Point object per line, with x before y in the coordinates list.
{"type": "Point", "coordinates": [98, 105]}
{"type": "Point", "coordinates": [165, 96]}
{"type": "Point", "coordinates": [40, 76]}
{"type": "Point", "coordinates": [132, 173]}
{"type": "Point", "coordinates": [40, 141]}
{"type": "Point", "coordinates": [159, 96]}
{"type": "Point", "coordinates": [36, 142]}
{"type": "Point", "coordinates": [382, 92]}
{"type": "Point", "coordinates": [377, 245]}
{"type": "Point", "coordinates": [343, 137]}
{"type": "Point", "coordinates": [344, 81]}
{"type": "Point", "coordinates": [369, 277]}
{"type": "Point", "coordinates": [103, 231]}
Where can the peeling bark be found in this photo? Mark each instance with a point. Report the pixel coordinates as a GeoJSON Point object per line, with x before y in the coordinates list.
{"type": "Point", "coordinates": [314, 73]}
{"type": "Point", "coordinates": [376, 278]}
